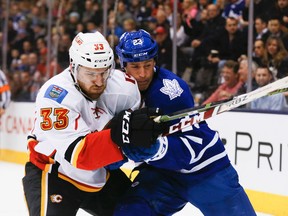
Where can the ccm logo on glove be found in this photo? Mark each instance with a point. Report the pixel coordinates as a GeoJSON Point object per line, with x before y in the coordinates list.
{"type": "Point", "coordinates": [125, 127]}
{"type": "Point", "coordinates": [136, 128]}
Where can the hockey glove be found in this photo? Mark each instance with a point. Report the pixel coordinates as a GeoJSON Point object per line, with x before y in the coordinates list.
{"type": "Point", "coordinates": [139, 154]}
{"type": "Point", "coordinates": [136, 128]}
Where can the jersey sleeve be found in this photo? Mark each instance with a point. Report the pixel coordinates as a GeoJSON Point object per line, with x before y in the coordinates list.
{"type": "Point", "coordinates": [121, 93]}
{"type": "Point", "coordinates": [190, 152]}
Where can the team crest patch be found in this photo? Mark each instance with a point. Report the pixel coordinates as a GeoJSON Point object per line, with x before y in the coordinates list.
{"type": "Point", "coordinates": [55, 93]}
{"type": "Point", "coordinates": [171, 88]}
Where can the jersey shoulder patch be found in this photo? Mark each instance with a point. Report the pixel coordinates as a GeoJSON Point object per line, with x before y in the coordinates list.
{"type": "Point", "coordinates": [55, 93]}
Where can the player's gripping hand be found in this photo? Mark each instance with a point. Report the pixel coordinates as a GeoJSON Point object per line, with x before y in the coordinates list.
{"type": "Point", "coordinates": [140, 154]}
{"type": "Point", "coordinates": [136, 128]}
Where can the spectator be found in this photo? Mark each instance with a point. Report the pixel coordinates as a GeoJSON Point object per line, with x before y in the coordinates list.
{"type": "Point", "coordinates": [36, 16]}
{"type": "Point", "coordinates": [5, 93]}
{"type": "Point", "coordinates": [231, 83]}
{"type": "Point", "coordinates": [24, 93]}
{"type": "Point", "coordinates": [226, 44]}
{"type": "Point", "coordinates": [276, 57]}
{"type": "Point", "coordinates": [32, 63]}
{"type": "Point", "coordinates": [181, 36]}
{"type": "Point", "coordinates": [169, 13]}
{"type": "Point", "coordinates": [281, 9]}
{"type": "Point", "coordinates": [113, 27]}
{"type": "Point", "coordinates": [57, 12]}
{"type": "Point", "coordinates": [261, 30]}
{"type": "Point", "coordinates": [190, 10]}
{"type": "Point", "coordinates": [275, 29]}
{"type": "Point", "coordinates": [162, 20]}
{"type": "Point", "coordinates": [24, 62]}
{"type": "Point", "coordinates": [37, 82]}
{"type": "Point", "coordinates": [220, 4]}
{"type": "Point", "coordinates": [12, 33]}
{"type": "Point", "coordinates": [215, 23]}
{"type": "Point", "coordinates": [129, 25]}
{"type": "Point", "coordinates": [262, 8]}
{"type": "Point", "coordinates": [230, 43]}
{"type": "Point", "coordinates": [136, 9]}
{"type": "Point", "coordinates": [39, 31]}
{"type": "Point", "coordinates": [202, 5]}
{"type": "Point", "coordinates": [146, 10]}
{"type": "Point", "coordinates": [80, 28]}
{"type": "Point", "coordinates": [122, 13]}
{"type": "Point", "coordinates": [91, 26]}
{"type": "Point", "coordinates": [15, 60]}
{"type": "Point", "coordinates": [263, 76]}
{"type": "Point", "coordinates": [150, 24]}
{"type": "Point", "coordinates": [27, 47]}
{"type": "Point", "coordinates": [164, 46]}
{"type": "Point", "coordinates": [71, 23]}
{"type": "Point", "coordinates": [243, 75]}
{"type": "Point", "coordinates": [63, 50]}
{"type": "Point", "coordinates": [195, 29]}
{"type": "Point", "coordinates": [89, 12]}
{"type": "Point", "coordinates": [259, 51]}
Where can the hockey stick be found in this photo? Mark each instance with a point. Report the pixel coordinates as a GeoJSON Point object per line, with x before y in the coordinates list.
{"type": "Point", "coordinates": [216, 108]}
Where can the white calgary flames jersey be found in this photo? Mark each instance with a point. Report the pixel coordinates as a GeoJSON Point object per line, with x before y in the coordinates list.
{"type": "Point", "coordinates": [66, 126]}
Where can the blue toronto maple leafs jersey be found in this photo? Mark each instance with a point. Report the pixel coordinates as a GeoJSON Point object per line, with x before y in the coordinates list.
{"type": "Point", "coordinates": [199, 149]}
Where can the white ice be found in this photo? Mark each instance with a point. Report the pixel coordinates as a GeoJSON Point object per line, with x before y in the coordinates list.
{"type": "Point", "coordinates": [12, 200]}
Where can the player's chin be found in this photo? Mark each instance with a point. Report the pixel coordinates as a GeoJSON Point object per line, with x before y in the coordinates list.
{"type": "Point", "coordinates": [95, 95]}
{"type": "Point", "coordinates": [143, 86]}
{"type": "Point", "coordinates": [96, 92]}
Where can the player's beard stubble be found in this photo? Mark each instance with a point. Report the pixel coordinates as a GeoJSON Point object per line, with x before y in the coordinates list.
{"type": "Point", "coordinates": [92, 90]}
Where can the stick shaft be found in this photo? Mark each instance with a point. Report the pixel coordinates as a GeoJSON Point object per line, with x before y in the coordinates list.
{"type": "Point", "coordinates": [205, 112]}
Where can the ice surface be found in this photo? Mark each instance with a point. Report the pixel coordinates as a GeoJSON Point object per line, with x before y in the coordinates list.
{"type": "Point", "coordinates": [12, 198]}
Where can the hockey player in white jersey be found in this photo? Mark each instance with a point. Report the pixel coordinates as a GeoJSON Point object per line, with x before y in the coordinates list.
{"type": "Point", "coordinates": [73, 161]}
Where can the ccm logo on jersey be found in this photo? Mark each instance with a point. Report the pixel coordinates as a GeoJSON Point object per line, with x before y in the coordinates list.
{"type": "Point", "coordinates": [125, 127]}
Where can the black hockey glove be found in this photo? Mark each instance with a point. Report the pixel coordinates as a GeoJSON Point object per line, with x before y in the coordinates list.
{"type": "Point", "coordinates": [136, 128]}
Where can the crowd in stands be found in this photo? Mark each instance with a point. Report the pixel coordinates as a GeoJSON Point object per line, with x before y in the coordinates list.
{"type": "Point", "coordinates": [212, 39]}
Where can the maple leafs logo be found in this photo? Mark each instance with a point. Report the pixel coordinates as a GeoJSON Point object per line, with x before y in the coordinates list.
{"type": "Point", "coordinates": [171, 88]}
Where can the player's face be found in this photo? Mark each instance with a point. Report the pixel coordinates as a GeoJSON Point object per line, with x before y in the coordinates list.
{"type": "Point", "coordinates": [92, 81]}
{"type": "Point", "coordinates": [142, 71]}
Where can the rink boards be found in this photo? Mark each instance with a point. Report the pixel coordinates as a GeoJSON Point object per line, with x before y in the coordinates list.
{"type": "Point", "coordinates": [257, 145]}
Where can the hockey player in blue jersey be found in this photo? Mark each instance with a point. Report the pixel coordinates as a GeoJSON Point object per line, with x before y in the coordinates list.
{"type": "Point", "coordinates": [189, 166]}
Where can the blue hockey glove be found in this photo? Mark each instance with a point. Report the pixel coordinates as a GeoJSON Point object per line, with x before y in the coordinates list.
{"type": "Point", "coordinates": [139, 154]}
{"type": "Point", "coordinates": [136, 128]}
